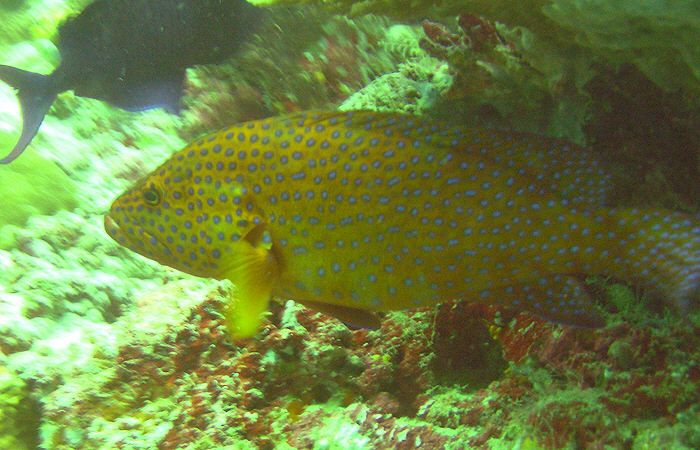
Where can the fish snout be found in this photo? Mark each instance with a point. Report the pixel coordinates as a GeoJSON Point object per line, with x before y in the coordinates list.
{"type": "Point", "coordinates": [112, 228]}
{"type": "Point", "coordinates": [122, 234]}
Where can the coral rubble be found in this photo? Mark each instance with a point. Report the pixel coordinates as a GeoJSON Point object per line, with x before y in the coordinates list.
{"type": "Point", "coordinates": [307, 380]}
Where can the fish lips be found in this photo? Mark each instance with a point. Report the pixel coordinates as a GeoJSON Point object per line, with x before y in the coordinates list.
{"type": "Point", "coordinates": [135, 238]}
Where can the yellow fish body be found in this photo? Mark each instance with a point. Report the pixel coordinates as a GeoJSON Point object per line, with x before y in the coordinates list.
{"type": "Point", "coordinates": [378, 211]}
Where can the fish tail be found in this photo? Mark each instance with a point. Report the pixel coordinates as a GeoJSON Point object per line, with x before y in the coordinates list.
{"type": "Point", "coordinates": [661, 253]}
{"type": "Point", "coordinates": [35, 93]}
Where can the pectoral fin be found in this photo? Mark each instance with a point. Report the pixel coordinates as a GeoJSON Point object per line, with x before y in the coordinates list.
{"type": "Point", "coordinates": [254, 271]}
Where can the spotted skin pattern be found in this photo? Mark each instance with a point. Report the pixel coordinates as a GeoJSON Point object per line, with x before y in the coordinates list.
{"type": "Point", "coordinates": [382, 211]}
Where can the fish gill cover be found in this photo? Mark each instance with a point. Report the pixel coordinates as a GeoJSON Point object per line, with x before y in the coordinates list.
{"type": "Point", "coordinates": [102, 348]}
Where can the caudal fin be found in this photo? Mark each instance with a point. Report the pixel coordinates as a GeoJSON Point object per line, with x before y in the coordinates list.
{"type": "Point", "coordinates": [35, 96]}
{"type": "Point", "coordinates": [663, 251]}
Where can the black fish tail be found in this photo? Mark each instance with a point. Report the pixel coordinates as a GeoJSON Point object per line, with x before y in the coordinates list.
{"type": "Point", "coordinates": [36, 94]}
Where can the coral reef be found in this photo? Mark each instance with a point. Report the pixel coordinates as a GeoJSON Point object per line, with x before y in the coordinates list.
{"type": "Point", "coordinates": [302, 59]}
{"type": "Point", "coordinates": [646, 134]}
{"type": "Point", "coordinates": [100, 348]}
{"type": "Point", "coordinates": [493, 82]}
{"type": "Point", "coordinates": [660, 38]}
{"type": "Point", "coordinates": [307, 380]}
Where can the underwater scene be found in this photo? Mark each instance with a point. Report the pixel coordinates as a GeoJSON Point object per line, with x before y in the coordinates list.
{"type": "Point", "coordinates": [349, 224]}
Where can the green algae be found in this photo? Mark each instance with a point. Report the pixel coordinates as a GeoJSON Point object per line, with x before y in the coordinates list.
{"type": "Point", "coordinates": [336, 433]}
{"type": "Point", "coordinates": [35, 20]}
{"type": "Point", "coordinates": [32, 186]}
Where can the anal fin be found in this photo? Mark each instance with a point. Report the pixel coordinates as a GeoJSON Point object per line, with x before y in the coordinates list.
{"type": "Point", "coordinates": [559, 298]}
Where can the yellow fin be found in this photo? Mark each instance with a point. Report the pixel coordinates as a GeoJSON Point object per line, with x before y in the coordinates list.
{"type": "Point", "coordinates": [254, 270]}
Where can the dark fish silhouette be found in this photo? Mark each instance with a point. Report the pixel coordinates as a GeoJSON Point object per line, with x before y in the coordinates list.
{"type": "Point", "coordinates": [132, 54]}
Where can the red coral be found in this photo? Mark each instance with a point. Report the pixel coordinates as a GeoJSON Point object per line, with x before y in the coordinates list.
{"type": "Point", "coordinates": [465, 351]}
{"type": "Point", "coordinates": [475, 34]}
{"type": "Point", "coordinates": [338, 68]}
{"type": "Point", "coordinates": [479, 33]}
{"type": "Point", "coordinates": [480, 441]}
{"type": "Point", "coordinates": [523, 337]}
{"type": "Point", "coordinates": [216, 102]}
{"type": "Point", "coordinates": [563, 424]}
{"type": "Point", "coordinates": [439, 34]}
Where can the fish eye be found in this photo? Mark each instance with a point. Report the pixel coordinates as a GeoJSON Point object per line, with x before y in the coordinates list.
{"type": "Point", "coordinates": [151, 196]}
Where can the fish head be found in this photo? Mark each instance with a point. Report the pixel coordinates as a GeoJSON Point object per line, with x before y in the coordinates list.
{"type": "Point", "coordinates": [194, 213]}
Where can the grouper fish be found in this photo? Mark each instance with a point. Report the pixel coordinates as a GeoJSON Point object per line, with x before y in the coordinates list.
{"type": "Point", "coordinates": [357, 212]}
{"type": "Point", "coordinates": [132, 54]}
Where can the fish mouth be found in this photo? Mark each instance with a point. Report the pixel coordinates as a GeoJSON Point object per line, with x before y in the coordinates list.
{"type": "Point", "coordinates": [135, 238]}
{"type": "Point", "coordinates": [115, 230]}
